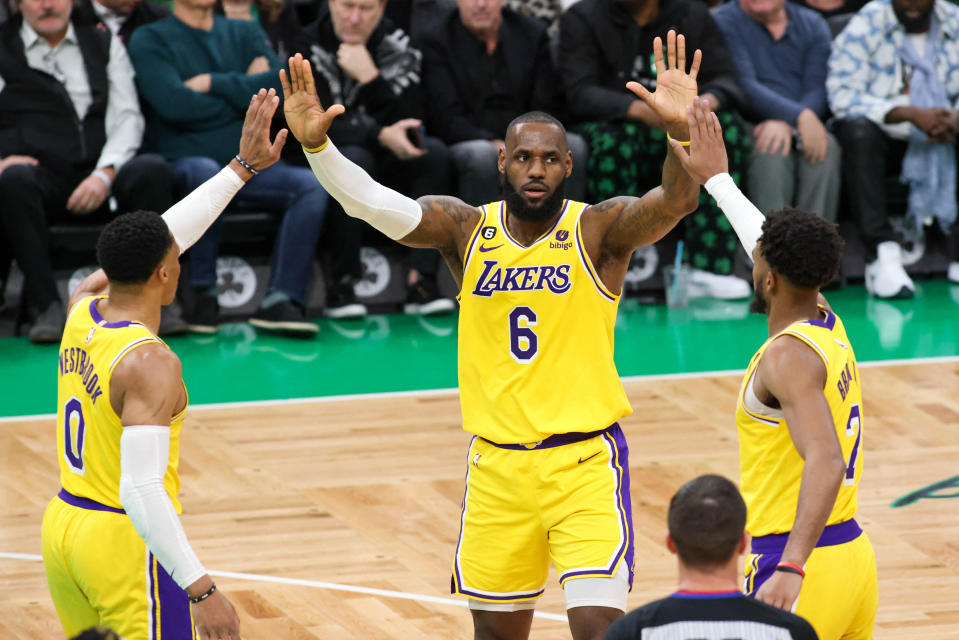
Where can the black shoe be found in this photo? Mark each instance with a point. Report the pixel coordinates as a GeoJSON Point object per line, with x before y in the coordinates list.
{"type": "Point", "coordinates": [48, 327]}
{"type": "Point", "coordinates": [171, 321]}
{"type": "Point", "coordinates": [203, 318]}
{"type": "Point", "coordinates": [341, 302]}
{"type": "Point", "coordinates": [423, 298]}
{"type": "Point", "coordinates": [285, 317]}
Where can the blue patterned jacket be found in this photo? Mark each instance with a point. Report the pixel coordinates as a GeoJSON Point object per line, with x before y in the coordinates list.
{"type": "Point", "coordinates": [866, 78]}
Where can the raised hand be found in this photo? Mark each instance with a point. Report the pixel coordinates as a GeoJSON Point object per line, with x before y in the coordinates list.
{"type": "Point", "coordinates": [305, 116]}
{"type": "Point", "coordinates": [707, 151]}
{"type": "Point", "coordinates": [675, 88]}
{"type": "Point", "coordinates": [255, 145]}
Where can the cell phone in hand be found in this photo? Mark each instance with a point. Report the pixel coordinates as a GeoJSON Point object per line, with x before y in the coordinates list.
{"type": "Point", "coordinates": [415, 136]}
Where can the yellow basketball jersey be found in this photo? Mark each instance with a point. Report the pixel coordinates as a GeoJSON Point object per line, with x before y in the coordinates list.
{"type": "Point", "coordinates": [770, 467]}
{"type": "Point", "coordinates": [535, 334]}
{"type": "Point", "coordinates": [88, 429]}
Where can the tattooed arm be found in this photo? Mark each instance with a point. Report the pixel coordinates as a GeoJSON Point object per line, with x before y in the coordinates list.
{"type": "Point", "coordinates": [614, 228]}
{"type": "Point", "coordinates": [446, 225]}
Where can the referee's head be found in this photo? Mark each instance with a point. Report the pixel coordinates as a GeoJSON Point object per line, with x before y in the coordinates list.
{"type": "Point", "coordinates": [707, 518]}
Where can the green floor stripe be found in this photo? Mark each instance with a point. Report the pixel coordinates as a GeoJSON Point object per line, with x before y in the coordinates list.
{"type": "Point", "coordinates": [401, 353]}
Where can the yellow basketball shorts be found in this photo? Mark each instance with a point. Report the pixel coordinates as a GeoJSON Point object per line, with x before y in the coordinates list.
{"type": "Point", "coordinates": [100, 572]}
{"type": "Point", "coordinates": [564, 499]}
{"type": "Point", "coordinates": [839, 594]}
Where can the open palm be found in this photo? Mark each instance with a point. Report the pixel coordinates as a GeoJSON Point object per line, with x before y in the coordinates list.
{"type": "Point", "coordinates": [675, 88]}
{"type": "Point", "coordinates": [305, 116]}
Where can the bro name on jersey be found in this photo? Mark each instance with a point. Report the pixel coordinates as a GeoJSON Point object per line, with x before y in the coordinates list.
{"type": "Point", "coordinates": [530, 278]}
{"type": "Point", "coordinates": [76, 360]}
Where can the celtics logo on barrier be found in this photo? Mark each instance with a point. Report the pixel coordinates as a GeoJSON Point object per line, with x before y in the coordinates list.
{"type": "Point", "coordinates": [376, 273]}
{"type": "Point", "coordinates": [235, 281]}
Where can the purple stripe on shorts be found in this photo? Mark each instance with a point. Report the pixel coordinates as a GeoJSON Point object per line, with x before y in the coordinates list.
{"type": "Point", "coordinates": [86, 503]}
{"type": "Point", "coordinates": [832, 535]}
{"type": "Point", "coordinates": [151, 562]}
{"type": "Point", "coordinates": [175, 620]}
{"type": "Point", "coordinates": [766, 567]}
{"type": "Point", "coordinates": [620, 461]}
{"type": "Point", "coordinates": [513, 598]}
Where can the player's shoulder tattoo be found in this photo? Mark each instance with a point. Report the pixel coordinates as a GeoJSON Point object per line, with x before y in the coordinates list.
{"type": "Point", "coordinates": [463, 215]}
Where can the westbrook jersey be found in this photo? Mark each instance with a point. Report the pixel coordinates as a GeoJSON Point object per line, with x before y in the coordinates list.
{"type": "Point", "coordinates": [88, 429]}
{"type": "Point", "coordinates": [535, 334]}
{"type": "Point", "coordinates": [770, 468]}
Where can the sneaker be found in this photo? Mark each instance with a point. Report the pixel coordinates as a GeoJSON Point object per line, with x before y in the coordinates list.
{"type": "Point", "coordinates": [341, 302]}
{"type": "Point", "coordinates": [285, 317]}
{"type": "Point", "coordinates": [423, 298]}
{"type": "Point", "coordinates": [203, 318]}
{"type": "Point", "coordinates": [953, 273]}
{"type": "Point", "coordinates": [171, 321]}
{"type": "Point", "coordinates": [885, 277]}
{"type": "Point", "coordinates": [703, 284]}
{"type": "Point", "coordinates": [48, 327]}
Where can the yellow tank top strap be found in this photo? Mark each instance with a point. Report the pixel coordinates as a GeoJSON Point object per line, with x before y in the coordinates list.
{"type": "Point", "coordinates": [584, 257]}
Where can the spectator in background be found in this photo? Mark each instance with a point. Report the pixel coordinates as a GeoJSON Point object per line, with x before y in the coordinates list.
{"type": "Point", "coordinates": [196, 73]}
{"type": "Point", "coordinates": [893, 84]}
{"type": "Point", "coordinates": [278, 20]}
{"type": "Point", "coordinates": [707, 520]}
{"type": "Point", "coordinates": [121, 17]}
{"type": "Point", "coordinates": [70, 125]}
{"type": "Point", "coordinates": [830, 8]}
{"type": "Point", "coordinates": [603, 45]}
{"type": "Point", "coordinates": [780, 51]}
{"type": "Point", "coordinates": [484, 65]}
{"type": "Point", "coordinates": [366, 63]}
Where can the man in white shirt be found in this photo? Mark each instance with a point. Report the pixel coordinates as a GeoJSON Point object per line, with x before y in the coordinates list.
{"type": "Point", "coordinates": [121, 17]}
{"type": "Point", "coordinates": [70, 126]}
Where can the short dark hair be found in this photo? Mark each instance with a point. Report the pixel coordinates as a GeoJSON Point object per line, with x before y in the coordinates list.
{"type": "Point", "coordinates": [535, 116]}
{"type": "Point", "coordinates": [801, 246]}
{"type": "Point", "coordinates": [706, 518]}
{"type": "Point", "coordinates": [132, 246]}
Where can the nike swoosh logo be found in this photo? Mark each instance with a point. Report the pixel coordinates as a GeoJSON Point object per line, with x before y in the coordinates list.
{"type": "Point", "coordinates": [582, 460]}
{"type": "Point", "coordinates": [484, 248]}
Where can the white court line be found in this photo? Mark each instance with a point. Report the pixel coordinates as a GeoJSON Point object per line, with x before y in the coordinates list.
{"type": "Point", "coordinates": [332, 586]}
{"type": "Point", "coordinates": [449, 391]}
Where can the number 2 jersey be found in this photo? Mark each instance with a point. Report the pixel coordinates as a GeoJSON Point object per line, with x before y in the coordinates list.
{"type": "Point", "coordinates": [770, 467]}
{"type": "Point", "coordinates": [535, 334]}
{"type": "Point", "coordinates": [88, 429]}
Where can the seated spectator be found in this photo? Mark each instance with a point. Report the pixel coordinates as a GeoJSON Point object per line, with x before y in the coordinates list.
{"type": "Point", "coordinates": [484, 65]}
{"type": "Point", "coordinates": [603, 45]}
{"type": "Point", "coordinates": [70, 125]}
{"type": "Point", "coordinates": [364, 62]}
{"type": "Point", "coordinates": [278, 20]}
{"type": "Point", "coordinates": [780, 51]}
{"type": "Point", "coordinates": [707, 520]}
{"type": "Point", "coordinates": [196, 73]}
{"type": "Point", "coordinates": [121, 17]}
{"type": "Point", "coordinates": [893, 85]}
{"type": "Point", "coordinates": [831, 8]}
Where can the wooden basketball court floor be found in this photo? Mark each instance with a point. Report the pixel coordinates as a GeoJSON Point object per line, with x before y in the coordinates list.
{"type": "Point", "coordinates": [337, 518]}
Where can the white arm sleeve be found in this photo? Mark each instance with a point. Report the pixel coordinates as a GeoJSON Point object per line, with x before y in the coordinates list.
{"type": "Point", "coordinates": [189, 218]}
{"type": "Point", "coordinates": [361, 196]}
{"type": "Point", "coordinates": [745, 218]}
{"type": "Point", "coordinates": [144, 454]}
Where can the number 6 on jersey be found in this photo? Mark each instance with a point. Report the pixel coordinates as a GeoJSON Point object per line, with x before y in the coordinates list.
{"type": "Point", "coordinates": [523, 341]}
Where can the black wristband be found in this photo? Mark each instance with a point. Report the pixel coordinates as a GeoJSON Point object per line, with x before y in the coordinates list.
{"type": "Point", "coordinates": [788, 569]}
{"type": "Point", "coordinates": [246, 165]}
{"type": "Point", "coordinates": [203, 596]}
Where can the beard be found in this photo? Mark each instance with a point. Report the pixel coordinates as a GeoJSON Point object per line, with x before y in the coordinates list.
{"type": "Point", "coordinates": [758, 303]}
{"type": "Point", "coordinates": [545, 210]}
{"type": "Point", "coordinates": [913, 25]}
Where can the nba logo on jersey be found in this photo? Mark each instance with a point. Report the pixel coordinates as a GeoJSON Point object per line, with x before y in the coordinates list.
{"type": "Point", "coordinates": [488, 233]}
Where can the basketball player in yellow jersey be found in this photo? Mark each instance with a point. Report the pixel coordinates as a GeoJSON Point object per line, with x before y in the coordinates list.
{"type": "Point", "coordinates": [540, 282]}
{"type": "Point", "coordinates": [114, 550]}
{"type": "Point", "coordinates": [799, 415]}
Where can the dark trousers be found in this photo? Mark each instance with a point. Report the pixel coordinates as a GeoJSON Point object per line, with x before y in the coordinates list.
{"type": "Point", "coordinates": [869, 158]}
{"type": "Point", "coordinates": [33, 197]}
{"type": "Point", "coordinates": [626, 158]}
{"type": "Point", "coordinates": [428, 174]}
